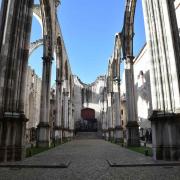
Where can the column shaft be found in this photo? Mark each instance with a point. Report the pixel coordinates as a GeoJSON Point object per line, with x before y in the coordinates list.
{"type": "Point", "coordinates": [15, 26]}
{"type": "Point", "coordinates": [132, 126]}
{"type": "Point", "coordinates": [44, 127]}
{"type": "Point", "coordinates": [58, 120]}
{"type": "Point", "coordinates": [163, 39]}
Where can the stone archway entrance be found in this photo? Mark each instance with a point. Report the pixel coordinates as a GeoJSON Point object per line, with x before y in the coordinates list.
{"type": "Point", "coordinates": [88, 122]}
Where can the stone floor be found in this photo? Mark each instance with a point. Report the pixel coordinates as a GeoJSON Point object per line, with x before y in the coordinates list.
{"type": "Point", "coordinates": [88, 159]}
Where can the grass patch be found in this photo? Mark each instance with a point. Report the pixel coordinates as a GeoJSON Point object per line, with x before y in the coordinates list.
{"type": "Point", "coordinates": [121, 142]}
{"type": "Point", "coordinates": [36, 150]}
{"type": "Point", "coordinates": [143, 150]}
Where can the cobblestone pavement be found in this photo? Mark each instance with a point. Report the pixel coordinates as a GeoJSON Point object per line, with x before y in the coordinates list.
{"type": "Point", "coordinates": [89, 162]}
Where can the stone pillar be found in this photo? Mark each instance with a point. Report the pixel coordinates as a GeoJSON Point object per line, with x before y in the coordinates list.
{"type": "Point", "coordinates": [44, 127]}
{"type": "Point", "coordinates": [150, 46]}
{"type": "Point", "coordinates": [59, 89]}
{"type": "Point", "coordinates": [73, 122]}
{"type": "Point", "coordinates": [104, 117]}
{"type": "Point", "coordinates": [132, 127]}
{"type": "Point", "coordinates": [106, 135]}
{"type": "Point", "coordinates": [71, 110]}
{"type": "Point", "coordinates": [15, 26]}
{"type": "Point", "coordinates": [71, 129]}
{"type": "Point", "coordinates": [65, 113]}
{"type": "Point", "coordinates": [106, 121]}
{"type": "Point", "coordinates": [58, 122]}
{"type": "Point", "coordinates": [110, 118]}
{"type": "Point", "coordinates": [118, 127]}
{"type": "Point", "coordinates": [103, 124]}
{"type": "Point", "coordinates": [165, 136]}
{"type": "Point", "coordinates": [161, 27]}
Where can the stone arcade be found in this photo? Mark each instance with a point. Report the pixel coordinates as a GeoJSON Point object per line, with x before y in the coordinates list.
{"type": "Point", "coordinates": [72, 100]}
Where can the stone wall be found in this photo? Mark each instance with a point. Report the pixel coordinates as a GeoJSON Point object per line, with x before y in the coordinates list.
{"type": "Point", "coordinates": [32, 101]}
{"type": "Point", "coordinates": [88, 96]}
{"type": "Point", "coordinates": [143, 88]}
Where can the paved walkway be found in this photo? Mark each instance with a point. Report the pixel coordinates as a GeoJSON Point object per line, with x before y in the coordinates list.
{"type": "Point", "coordinates": [89, 162]}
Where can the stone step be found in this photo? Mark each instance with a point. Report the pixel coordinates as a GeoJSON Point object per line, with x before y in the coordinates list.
{"type": "Point", "coordinates": [88, 135]}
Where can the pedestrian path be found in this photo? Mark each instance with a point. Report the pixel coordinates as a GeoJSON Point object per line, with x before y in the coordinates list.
{"type": "Point", "coordinates": [87, 159]}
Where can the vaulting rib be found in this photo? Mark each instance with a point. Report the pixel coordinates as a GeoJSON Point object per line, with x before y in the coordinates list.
{"type": "Point", "coordinates": [117, 52]}
{"type": "Point", "coordinates": [128, 28]}
{"type": "Point", "coordinates": [37, 14]}
{"type": "Point", "coordinates": [35, 45]}
{"type": "Point", "coordinates": [37, 10]}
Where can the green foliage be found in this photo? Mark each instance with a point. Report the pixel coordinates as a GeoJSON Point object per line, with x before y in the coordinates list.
{"type": "Point", "coordinates": [36, 150]}
{"type": "Point", "coordinates": [120, 142]}
{"type": "Point", "coordinates": [143, 150]}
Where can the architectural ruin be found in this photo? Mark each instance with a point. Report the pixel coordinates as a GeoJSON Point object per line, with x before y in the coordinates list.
{"type": "Point", "coordinates": [105, 105]}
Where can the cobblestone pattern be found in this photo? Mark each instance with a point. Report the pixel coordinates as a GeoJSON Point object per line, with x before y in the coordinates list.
{"type": "Point", "coordinates": [88, 162]}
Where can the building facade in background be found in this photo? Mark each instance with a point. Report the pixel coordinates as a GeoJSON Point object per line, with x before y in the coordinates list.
{"type": "Point", "coordinates": [32, 104]}
{"type": "Point", "coordinates": [88, 103]}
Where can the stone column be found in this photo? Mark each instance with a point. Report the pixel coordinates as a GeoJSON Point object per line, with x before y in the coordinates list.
{"type": "Point", "coordinates": [132, 127]}
{"type": "Point", "coordinates": [150, 47]}
{"type": "Point", "coordinates": [44, 127]}
{"type": "Point", "coordinates": [104, 118]}
{"type": "Point", "coordinates": [65, 113]}
{"type": "Point", "coordinates": [15, 26]}
{"type": "Point", "coordinates": [118, 127]}
{"type": "Point", "coordinates": [103, 123]}
{"type": "Point", "coordinates": [59, 76]}
{"type": "Point", "coordinates": [58, 122]}
{"type": "Point", "coordinates": [161, 27]}
{"type": "Point", "coordinates": [110, 117]}
{"type": "Point", "coordinates": [72, 123]}
{"type": "Point", "coordinates": [70, 120]}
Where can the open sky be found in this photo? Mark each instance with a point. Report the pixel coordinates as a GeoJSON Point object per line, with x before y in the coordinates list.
{"type": "Point", "coordinates": [88, 29]}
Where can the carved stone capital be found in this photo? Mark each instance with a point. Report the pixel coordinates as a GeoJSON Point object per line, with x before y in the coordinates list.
{"type": "Point", "coordinates": [47, 59]}
{"type": "Point", "coordinates": [132, 124]}
{"type": "Point", "coordinates": [57, 3]}
{"type": "Point", "coordinates": [58, 128]}
{"type": "Point", "coordinates": [119, 128]}
{"type": "Point", "coordinates": [58, 82]}
{"type": "Point", "coordinates": [44, 124]}
{"type": "Point", "coordinates": [111, 129]}
{"type": "Point", "coordinates": [66, 93]}
{"type": "Point", "coordinates": [13, 116]}
{"type": "Point", "coordinates": [129, 59]}
{"type": "Point", "coordinates": [161, 116]}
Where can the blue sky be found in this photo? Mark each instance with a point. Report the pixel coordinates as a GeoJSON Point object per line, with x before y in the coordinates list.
{"type": "Point", "coordinates": [88, 29]}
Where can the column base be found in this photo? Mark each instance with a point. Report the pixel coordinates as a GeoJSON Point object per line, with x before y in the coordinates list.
{"type": "Point", "coordinates": [132, 129]}
{"type": "Point", "coordinates": [118, 134]}
{"type": "Point", "coordinates": [43, 135]}
{"type": "Point", "coordinates": [103, 134]}
{"type": "Point", "coordinates": [106, 135]}
{"type": "Point", "coordinates": [58, 134]}
{"type": "Point", "coordinates": [111, 134]}
{"type": "Point", "coordinates": [165, 136]}
{"type": "Point", "coordinates": [65, 136]}
{"type": "Point", "coordinates": [71, 134]}
{"type": "Point", "coordinates": [12, 137]}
